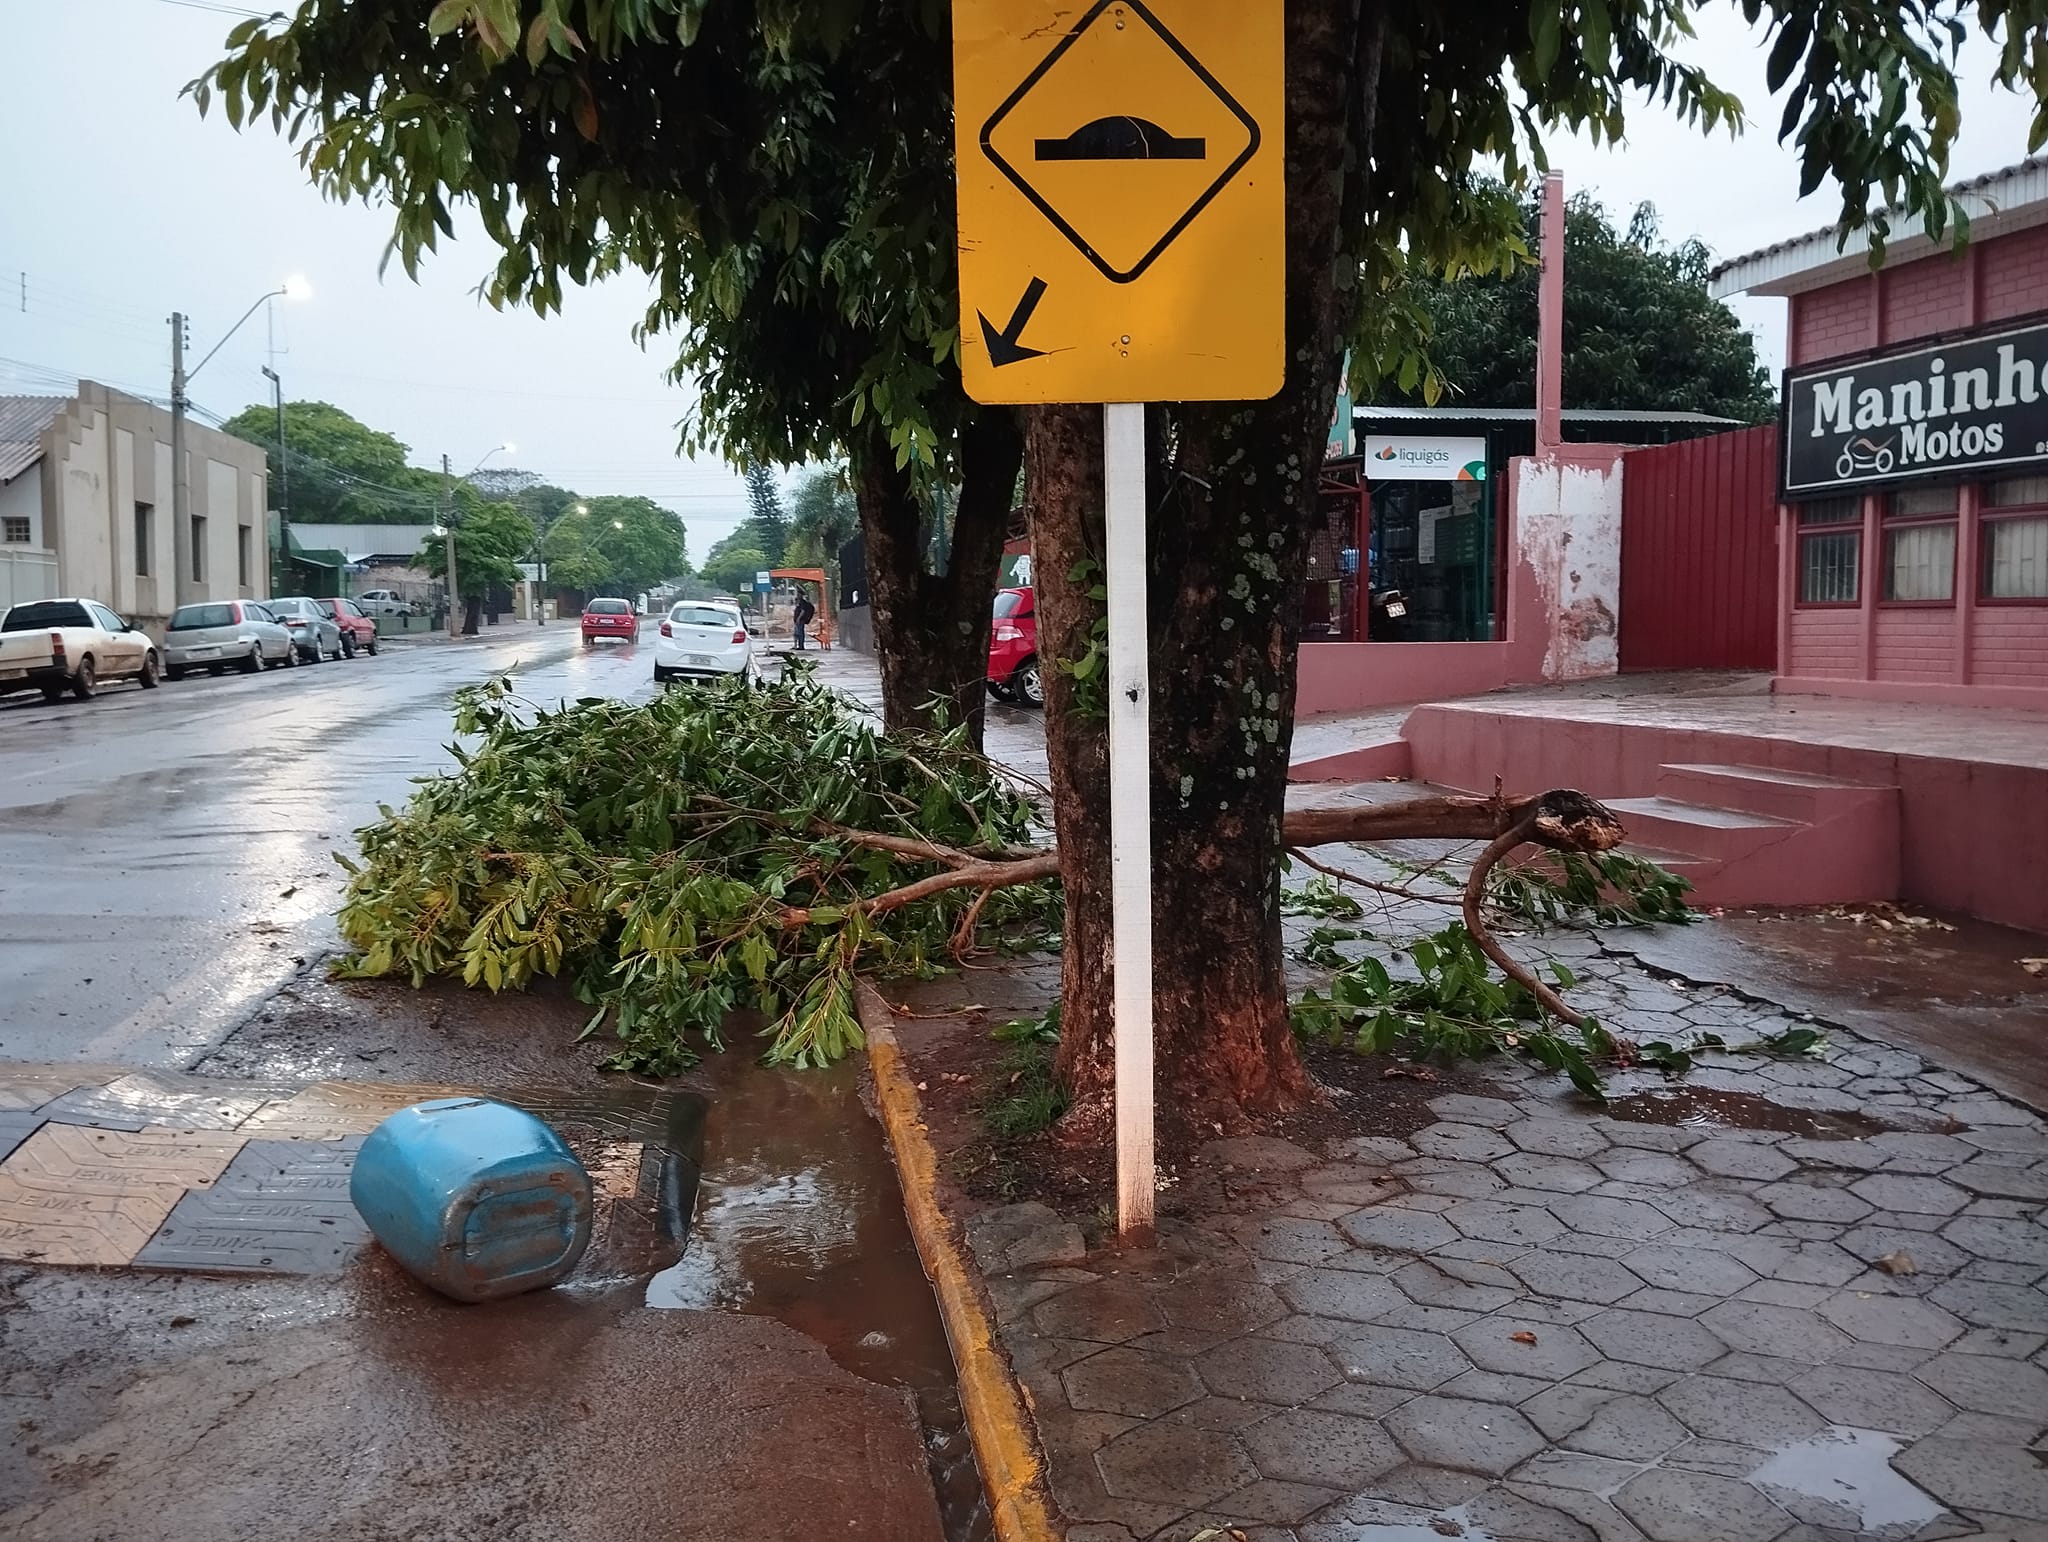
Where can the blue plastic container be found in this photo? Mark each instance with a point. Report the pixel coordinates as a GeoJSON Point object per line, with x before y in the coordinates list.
{"type": "Point", "coordinates": [474, 1198]}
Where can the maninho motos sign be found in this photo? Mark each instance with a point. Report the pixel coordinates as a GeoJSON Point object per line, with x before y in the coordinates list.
{"type": "Point", "coordinates": [1946, 409]}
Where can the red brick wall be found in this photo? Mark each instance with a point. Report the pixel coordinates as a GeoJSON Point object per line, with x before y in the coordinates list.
{"type": "Point", "coordinates": [2014, 278]}
{"type": "Point", "coordinates": [1831, 321]}
{"type": "Point", "coordinates": [1825, 642]}
{"type": "Point", "coordinates": [1925, 297]}
{"type": "Point", "coordinates": [2010, 645]}
{"type": "Point", "coordinates": [1916, 644]}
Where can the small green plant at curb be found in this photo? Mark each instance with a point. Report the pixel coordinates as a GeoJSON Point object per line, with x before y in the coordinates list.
{"type": "Point", "coordinates": [1024, 1097]}
{"type": "Point", "coordinates": [1320, 946]}
{"type": "Point", "coordinates": [1567, 888]}
{"type": "Point", "coordinates": [1042, 1029]}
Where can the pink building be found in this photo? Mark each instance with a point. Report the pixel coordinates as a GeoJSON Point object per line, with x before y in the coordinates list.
{"type": "Point", "coordinates": [1913, 455]}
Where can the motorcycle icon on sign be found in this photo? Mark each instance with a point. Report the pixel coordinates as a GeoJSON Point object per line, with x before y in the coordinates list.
{"type": "Point", "coordinates": [1864, 454]}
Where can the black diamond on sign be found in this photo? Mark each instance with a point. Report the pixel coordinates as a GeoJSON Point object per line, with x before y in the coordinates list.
{"type": "Point", "coordinates": [1117, 137]}
{"type": "Point", "coordinates": [282, 1207]}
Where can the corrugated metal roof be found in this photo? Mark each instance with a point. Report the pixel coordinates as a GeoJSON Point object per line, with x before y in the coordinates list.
{"type": "Point", "coordinates": [2010, 198]}
{"type": "Point", "coordinates": [1528, 415]}
{"type": "Point", "coordinates": [22, 421]}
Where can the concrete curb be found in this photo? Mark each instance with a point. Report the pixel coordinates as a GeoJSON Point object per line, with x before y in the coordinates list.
{"type": "Point", "coordinates": [997, 1419]}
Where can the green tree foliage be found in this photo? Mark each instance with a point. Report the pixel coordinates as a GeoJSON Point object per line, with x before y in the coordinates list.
{"type": "Point", "coordinates": [681, 859]}
{"type": "Point", "coordinates": [341, 471]}
{"type": "Point", "coordinates": [731, 569]}
{"type": "Point", "coordinates": [778, 171]}
{"type": "Point", "coordinates": [615, 545]}
{"type": "Point", "coordinates": [822, 518]}
{"type": "Point", "coordinates": [1640, 329]}
{"type": "Point", "coordinates": [765, 516]}
{"type": "Point", "coordinates": [491, 539]}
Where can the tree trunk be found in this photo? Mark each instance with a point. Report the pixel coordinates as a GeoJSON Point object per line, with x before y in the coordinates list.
{"type": "Point", "coordinates": [931, 630]}
{"type": "Point", "coordinates": [1232, 510]}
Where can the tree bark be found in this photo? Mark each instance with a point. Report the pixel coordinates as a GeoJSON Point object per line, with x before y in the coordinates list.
{"type": "Point", "coordinates": [931, 630]}
{"type": "Point", "coordinates": [1232, 502]}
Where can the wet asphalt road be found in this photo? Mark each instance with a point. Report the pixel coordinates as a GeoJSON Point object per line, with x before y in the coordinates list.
{"type": "Point", "coordinates": [166, 856]}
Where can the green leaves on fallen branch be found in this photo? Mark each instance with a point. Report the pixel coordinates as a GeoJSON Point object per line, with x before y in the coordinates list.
{"type": "Point", "coordinates": [719, 850]}
{"type": "Point", "coordinates": [1454, 1010]}
{"type": "Point", "coordinates": [1609, 888]}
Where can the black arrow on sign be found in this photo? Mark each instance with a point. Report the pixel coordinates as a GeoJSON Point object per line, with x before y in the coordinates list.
{"type": "Point", "coordinates": [1003, 347]}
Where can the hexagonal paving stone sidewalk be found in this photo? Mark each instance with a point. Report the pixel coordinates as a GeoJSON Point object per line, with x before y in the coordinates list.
{"type": "Point", "coordinates": [1547, 1324]}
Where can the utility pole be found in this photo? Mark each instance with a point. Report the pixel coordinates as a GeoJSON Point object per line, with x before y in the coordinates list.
{"type": "Point", "coordinates": [181, 487]}
{"type": "Point", "coordinates": [455, 612]}
{"type": "Point", "coordinates": [284, 485]}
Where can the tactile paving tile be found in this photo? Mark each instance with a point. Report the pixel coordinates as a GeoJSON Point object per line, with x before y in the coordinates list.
{"type": "Point", "coordinates": [57, 1226]}
{"type": "Point", "coordinates": [26, 1087]}
{"type": "Point", "coordinates": [73, 1159]}
{"type": "Point", "coordinates": [331, 1110]}
{"type": "Point", "coordinates": [282, 1207]}
{"type": "Point", "coordinates": [654, 1116]}
{"type": "Point", "coordinates": [144, 1098]}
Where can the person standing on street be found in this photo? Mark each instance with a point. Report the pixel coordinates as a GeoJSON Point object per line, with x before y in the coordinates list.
{"type": "Point", "coordinates": [805, 612]}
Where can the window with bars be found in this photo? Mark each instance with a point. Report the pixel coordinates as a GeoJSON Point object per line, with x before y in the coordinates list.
{"type": "Point", "coordinates": [1830, 551]}
{"type": "Point", "coordinates": [14, 530]}
{"type": "Point", "coordinates": [2014, 520]}
{"type": "Point", "coordinates": [1920, 546]}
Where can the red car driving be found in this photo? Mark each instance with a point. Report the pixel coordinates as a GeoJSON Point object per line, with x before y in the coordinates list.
{"type": "Point", "coordinates": [610, 618]}
{"type": "Point", "coordinates": [1013, 650]}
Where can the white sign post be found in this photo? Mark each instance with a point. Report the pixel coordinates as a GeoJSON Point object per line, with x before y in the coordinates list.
{"type": "Point", "coordinates": [1130, 805]}
{"type": "Point", "coordinates": [1122, 239]}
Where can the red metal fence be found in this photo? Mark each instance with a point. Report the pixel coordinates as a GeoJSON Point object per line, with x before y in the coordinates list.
{"type": "Point", "coordinates": [1699, 553]}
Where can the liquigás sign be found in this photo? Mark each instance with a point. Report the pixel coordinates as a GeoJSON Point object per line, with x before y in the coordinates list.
{"type": "Point", "coordinates": [1949, 409]}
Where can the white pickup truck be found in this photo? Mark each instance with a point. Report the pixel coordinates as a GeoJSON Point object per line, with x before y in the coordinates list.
{"type": "Point", "coordinates": [54, 646]}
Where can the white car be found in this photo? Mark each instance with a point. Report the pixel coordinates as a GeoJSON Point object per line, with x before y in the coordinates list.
{"type": "Point", "coordinates": [384, 602]}
{"type": "Point", "coordinates": [223, 633]}
{"type": "Point", "coordinates": [72, 645]}
{"type": "Point", "coordinates": [703, 640]}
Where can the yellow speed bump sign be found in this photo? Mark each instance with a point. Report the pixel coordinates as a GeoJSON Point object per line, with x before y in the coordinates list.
{"type": "Point", "coordinates": [1121, 213]}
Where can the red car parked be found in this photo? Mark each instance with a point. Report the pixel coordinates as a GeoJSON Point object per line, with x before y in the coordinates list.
{"type": "Point", "coordinates": [1013, 650]}
{"type": "Point", "coordinates": [358, 631]}
{"type": "Point", "coordinates": [610, 618]}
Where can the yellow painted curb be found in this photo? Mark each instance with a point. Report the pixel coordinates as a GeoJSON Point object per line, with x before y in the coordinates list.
{"type": "Point", "coordinates": [997, 1419]}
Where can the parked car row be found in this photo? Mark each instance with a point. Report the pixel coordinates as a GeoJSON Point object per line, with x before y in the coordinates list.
{"type": "Point", "coordinates": [78, 645]}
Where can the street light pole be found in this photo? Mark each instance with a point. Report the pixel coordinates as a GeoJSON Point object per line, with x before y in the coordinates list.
{"type": "Point", "coordinates": [181, 486]}
{"type": "Point", "coordinates": [284, 484]}
{"type": "Point", "coordinates": [455, 608]}
{"type": "Point", "coordinates": [185, 581]}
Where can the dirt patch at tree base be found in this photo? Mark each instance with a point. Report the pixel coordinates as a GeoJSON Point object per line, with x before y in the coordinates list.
{"type": "Point", "coordinates": [946, 1031]}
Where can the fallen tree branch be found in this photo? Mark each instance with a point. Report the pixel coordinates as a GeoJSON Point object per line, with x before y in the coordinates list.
{"type": "Point", "coordinates": [1393, 890]}
{"type": "Point", "coordinates": [976, 875]}
{"type": "Point", "coordinates": [1507, 963]}
{"type": "Point", "coordinates": [1562, 820]}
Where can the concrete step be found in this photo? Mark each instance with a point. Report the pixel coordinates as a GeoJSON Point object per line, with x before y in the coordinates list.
{"type": "Point", "coordinates": [1796, 795]}
{"type": "Point", "coordinates": [1700, 829]}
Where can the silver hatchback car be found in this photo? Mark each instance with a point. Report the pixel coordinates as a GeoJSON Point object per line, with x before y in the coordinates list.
{"type": "Point", "coordinates": [315, 633]}
{"type": "Point", "coordinates": [227, 634]}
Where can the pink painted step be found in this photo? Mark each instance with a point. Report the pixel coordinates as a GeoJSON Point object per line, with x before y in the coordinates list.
{"type": "Point", "coordinates": [1797, 795]}
{"type": "Point", "coordinates": [1770, 837]}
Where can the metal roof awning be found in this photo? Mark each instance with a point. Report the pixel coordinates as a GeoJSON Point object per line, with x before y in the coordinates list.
{"type": "Point", "coordinates": [1404, 413]}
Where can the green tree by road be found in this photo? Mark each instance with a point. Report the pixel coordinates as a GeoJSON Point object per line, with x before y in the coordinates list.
{"type": "Point", "coordinates": [341, 471]}
{"type": "Point", "coordinates": [615, 545]}
{"type": "Point", "coordinates": [1640, 329]}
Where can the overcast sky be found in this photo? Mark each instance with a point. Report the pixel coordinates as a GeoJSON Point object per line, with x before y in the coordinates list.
{"type": "Point", "coordinates": [122, 205]}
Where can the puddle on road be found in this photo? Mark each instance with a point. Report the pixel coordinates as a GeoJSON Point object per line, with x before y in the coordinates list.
{"type": "Point", "coordinates": [798, 1217]}
{"type": "Point", "coordinates": [1710, 1108]}
{"type": "Point", "coordinates": [1846, 1481]}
